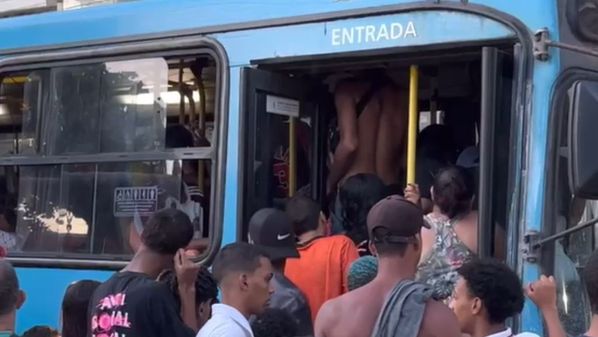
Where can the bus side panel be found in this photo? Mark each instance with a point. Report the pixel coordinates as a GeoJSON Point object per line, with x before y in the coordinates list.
{"type": "Point", "coordinates": [44, 289]}
{"type": "Point", "coordinates": [233, 190]}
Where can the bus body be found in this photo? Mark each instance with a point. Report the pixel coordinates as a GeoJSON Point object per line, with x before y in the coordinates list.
{"type": "Point", "coordinates": [249, 77]}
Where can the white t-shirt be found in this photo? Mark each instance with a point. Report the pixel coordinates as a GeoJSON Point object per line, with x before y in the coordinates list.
{"type": "Point", "coordinates": [226, 321]}
{"type": "Point", "coordinates": [509, 333]}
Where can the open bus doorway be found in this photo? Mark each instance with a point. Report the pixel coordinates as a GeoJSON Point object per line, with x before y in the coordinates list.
{"type": "Point", "coordinates": [289, 109]}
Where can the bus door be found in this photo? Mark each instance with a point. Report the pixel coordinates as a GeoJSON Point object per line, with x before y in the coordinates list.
{"type": "Point", "coordinates": [281, 122]}
{"type": "Point", "coordinates": [495, 139]}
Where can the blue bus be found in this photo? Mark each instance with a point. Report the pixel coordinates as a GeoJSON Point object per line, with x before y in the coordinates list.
{"type": "Point", "coordinates": [221, 107]}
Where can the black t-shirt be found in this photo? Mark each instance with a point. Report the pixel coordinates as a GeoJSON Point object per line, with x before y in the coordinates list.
{"type": "Point", "coordinates": [134, 305]}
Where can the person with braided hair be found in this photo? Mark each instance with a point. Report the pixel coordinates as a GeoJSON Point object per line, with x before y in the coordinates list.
{"type": "Point", "coordinates": [206, 292]}
{"type": "Point", "coordinates": [362, 272]}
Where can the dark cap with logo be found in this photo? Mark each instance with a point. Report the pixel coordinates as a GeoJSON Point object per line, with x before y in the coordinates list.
{"type": "Point", "coordinates": [395, 219]}
{"type": "Point", "coordinates": [271, 229]}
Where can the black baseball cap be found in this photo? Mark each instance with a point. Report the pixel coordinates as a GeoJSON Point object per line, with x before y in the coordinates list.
{"type": "Point", "coordinates": [395, 219]}
{"type": "Point", "coordinates": [271, 229]}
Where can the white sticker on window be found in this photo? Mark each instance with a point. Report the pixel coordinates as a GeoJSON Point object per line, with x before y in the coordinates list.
{"type": "Point", "coordinates": [129, 201]}
{"type": "Point", "coordinates": [282, 106]}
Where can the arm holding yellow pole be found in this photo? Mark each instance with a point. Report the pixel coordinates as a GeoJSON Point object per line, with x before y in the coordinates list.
{"type": "Point", "coordinates": [413, 119]}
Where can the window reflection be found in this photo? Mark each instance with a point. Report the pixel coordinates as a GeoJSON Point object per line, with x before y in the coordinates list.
{"type": "Point", "coordinates": [95, 208]}
{"type": "Point", "coordinates": [52, 116]}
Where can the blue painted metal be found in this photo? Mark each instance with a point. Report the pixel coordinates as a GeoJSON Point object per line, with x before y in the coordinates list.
{"type": "Point", "coordinates": [44, 289]}
{"type": "Point", "coordinates": [129, 20]}
{"type": "Point", "coordinates": [158, 16]}
{"type": "Point", "coordinates": [389, 31]}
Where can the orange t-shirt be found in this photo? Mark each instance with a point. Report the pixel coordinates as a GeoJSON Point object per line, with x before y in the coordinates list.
{"type": "Point", "coordinates": [321, 270]}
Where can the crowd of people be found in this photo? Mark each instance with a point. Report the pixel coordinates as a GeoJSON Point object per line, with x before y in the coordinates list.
{"type": "Point", "coordinates": [383, 261]}
{"type": "Point", "coordinates": [291, 279]}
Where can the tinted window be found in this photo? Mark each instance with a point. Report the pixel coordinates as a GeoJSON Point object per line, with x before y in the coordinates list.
{"type": "Point", "coordinates": [88, 154]}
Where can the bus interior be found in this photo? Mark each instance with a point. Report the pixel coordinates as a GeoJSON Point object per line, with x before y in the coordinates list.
{"type": "Point", "coordinates": [104, 142]}
{"type": "Point", "coordinates": [286, 155]}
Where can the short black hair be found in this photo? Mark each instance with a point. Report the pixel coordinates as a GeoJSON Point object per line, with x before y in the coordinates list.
{"type": "Point", "coordinates": [41, 331]}
{"type": "Point", "coordinates": [206, 288]}
{"type": "Point", "coordinates": [274, 323]}
{"type": "Point", "coordinates": [167, 231]}
{"type": "Point", "coordinates": [453, 190]}
{"type": "Point", "coordinates": [590, 277]}
{"type": "Point", "coordinates": [9, 288]}
{"type": "Point", "coordinates": [497, 285]}
{"type": "Point", "coordinates": [74, 307]}
{"type": "Point", "coordinates": [237, 257]}
{"type": "Point", "coordinates": [304, 213]}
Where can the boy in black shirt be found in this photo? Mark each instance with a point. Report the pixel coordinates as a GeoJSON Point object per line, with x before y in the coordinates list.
{"type": "Point", "coordinates": [132, 304]}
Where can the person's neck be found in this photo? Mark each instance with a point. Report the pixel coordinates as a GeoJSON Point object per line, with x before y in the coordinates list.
{"type": "Point", "coordinates": [593, 331]}
{"type": "Point", "coordinates": [150, 263]}
{"type": "Point", "coordinates": [310, 235]}
{"type": "Point", "coordinates": [235, 301]}
{"type": "Point", "coordinates": [7, 322]}
{"type": "Point", "coordinates": [279, 266]}
{"type": "Point", "coordinates": [484, 329]}
{"type": "Point", "coordinates": [391, 270]}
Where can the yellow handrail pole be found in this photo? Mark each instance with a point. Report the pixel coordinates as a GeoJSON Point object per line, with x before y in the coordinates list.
{"type": "Point", "coordinates": [292, 156]}
{"type": "Point", "coordinates": [413, 118]}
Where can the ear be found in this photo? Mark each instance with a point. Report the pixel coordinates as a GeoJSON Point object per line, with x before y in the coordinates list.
{"type": "Point", "coordinates": [372, 248]}
{"type": "Point", "coordinates": [432, 193]}
{"type": "Point", "coordinates": [21, 297]}
{"type": "Point", "coordinates": [476, 306]}
{"type": "Point", "coordinates": [243, 281]}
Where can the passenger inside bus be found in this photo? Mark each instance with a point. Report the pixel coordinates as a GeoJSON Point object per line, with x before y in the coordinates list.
{"type": "Point", "coordinates": [65, 202]}
{"type": "Point", "coordinates": [371, 122]}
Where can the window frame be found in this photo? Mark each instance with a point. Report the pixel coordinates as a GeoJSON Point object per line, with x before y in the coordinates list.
{"type": "Point", "coordinates": [561, 89]}
{"type": "Point", "coordinates": [216, 153]}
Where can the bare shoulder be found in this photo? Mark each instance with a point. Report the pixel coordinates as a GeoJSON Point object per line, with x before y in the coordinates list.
{"type": "Point", "coordinates": [332, 312]}
{"type": "Point", "coordinates": [439, 320]}
{"type": "Point", "coordinates": [349, 87]}
{"type": "Point", "coordinates": [325, 318]}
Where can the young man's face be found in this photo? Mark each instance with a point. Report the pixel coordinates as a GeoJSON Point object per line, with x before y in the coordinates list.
{"type": "Point", "coordinates": [466, 307]}
{"type": "Point", "coordinates": [259, 286]}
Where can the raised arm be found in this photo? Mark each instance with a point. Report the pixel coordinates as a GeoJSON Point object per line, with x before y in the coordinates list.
{"type": "Point", "coordinates": [347, 147]}
{"type": "Point", "coordinates": [543, 294]}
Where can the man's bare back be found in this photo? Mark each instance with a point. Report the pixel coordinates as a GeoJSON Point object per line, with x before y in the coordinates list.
{"type": "Point", "coordinates": [355, 314]}
{"type": "Point", "coordinates": [374, 141]}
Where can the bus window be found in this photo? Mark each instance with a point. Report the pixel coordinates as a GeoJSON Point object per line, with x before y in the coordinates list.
{"type": "Point", "coordinates": [96, 148]}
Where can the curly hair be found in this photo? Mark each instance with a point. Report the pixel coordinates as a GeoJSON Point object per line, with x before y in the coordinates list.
{"type": "Point", "coordinates": [357, 196]}
{"type": "Point", "coordinates": [496, 285]}
{"type": "Point", "coordinates": [274, 323]}
{"type": "Point", "coordinates": [206, 289]}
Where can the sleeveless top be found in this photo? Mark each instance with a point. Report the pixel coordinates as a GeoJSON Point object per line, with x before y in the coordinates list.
{"type": "Point", "coordinates": [439, 267]}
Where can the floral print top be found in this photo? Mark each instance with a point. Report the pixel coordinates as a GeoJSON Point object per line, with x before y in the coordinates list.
{"type": "Point", "coordinates": [439, 267]}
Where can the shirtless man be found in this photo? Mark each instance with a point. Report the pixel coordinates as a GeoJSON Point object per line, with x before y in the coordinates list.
{"type": "Point", "coordinates": [372, 119]}
{"type": "Point", "coordinates": [393, 225]}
